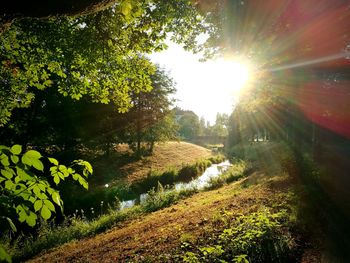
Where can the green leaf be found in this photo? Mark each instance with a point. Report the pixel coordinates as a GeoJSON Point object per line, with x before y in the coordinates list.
{"type": "Point", "coordinates": [53, 161]}
{"type": "Point", "coordinates": [31, 157]}
{"type": "Point", "coordinates": [37, 164]}
{"type": "Point", "coordinates": [31, 219]}
{"type": "Point", "coordinates": [25, 215]}
{"type": "Point", "coordinates": [76, 176]}
{"type": "Point", "coordinates": [23, 174]}
{"type": "Point", "coordinates": [37, 191]}
{"type": "Point", "coordinates": [45, 212]}
{"type": "Point", "coordinates": [6, 173]}
{"type": "Point", "coordinates": [126, 8]}
{"type": "Point", "coordinates": [49, 205]}
{"type": "Point", "coordinates": [9, 185]}
{"type": "Point", "coordinates": [38, 205]}
{"type": "Point", "coordinates": [11, 224]}
{"type": "Point", "coordinates": [42, 187]}
{"type": "Point", "coordinates": [83, 182]}
{"type": "Point", "coordinates": [14, 159]}
{"type": "Point", "coordinates": [32, 199]}
{"type": "Point", "coordinates": [56, 198]}
{"type": "Point", "coordinates": [88, 167]}
{"type": "Point", "coordinates": [16, 149]}
{"type": "Point", "coordinates": [5, 160]}
{"type": "Point", "coordinates": [61, 175]}
{"type": "Point", "coordinates": [64, 171]}
{"type": "Point", "coordinates": [33, 154]}
{"type": "Point", "coordinates": [56, 179]}
{"type": "Point", "coordinates": [17, 179]}
{"type": "Point", "coordinates": [21, 213]}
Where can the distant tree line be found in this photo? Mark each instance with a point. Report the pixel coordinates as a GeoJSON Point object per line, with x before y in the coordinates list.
{"type": "Point", "coordinates": [193, 128]}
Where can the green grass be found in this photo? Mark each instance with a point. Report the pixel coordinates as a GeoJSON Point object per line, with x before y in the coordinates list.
{"type": "Point", "coordinates": [256, 237]}
{"type": "Point", "coordinates": [163, 197]}
{"type": "Point", "coordinates": [50, 236]}
{"type": "Point", "coordinates": [124, 191]}
{"type": "Point", "coordinates": [234, 173]}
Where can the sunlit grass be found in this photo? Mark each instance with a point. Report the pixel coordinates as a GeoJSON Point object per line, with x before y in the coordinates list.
{"type": "Point", "coordinates": [78, 227]}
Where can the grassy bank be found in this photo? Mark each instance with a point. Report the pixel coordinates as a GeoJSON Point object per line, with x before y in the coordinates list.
{"type": "Point", "coordinates": [257, 211]}
{"type": "Point", "coordinates": [101, 199]}
{"type": "Point", "coordinates": [255, 218]}
{"type": "Point", "coordinates": [128, 175]}
{"type": "Point", "coordinates": [78, 227]}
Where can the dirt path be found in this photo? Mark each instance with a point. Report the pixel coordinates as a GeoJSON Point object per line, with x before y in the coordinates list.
{"type": "Point", "coordinates": [160, 232]}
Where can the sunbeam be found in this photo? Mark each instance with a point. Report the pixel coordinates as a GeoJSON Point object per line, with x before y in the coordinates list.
{"type": "Point", "coordinates": [310, 62]}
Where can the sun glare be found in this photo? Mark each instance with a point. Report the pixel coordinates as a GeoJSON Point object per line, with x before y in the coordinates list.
{"type": "Point", "coordinates": [231, 75]}
{"type": "Point", "coordinates": [207, 87]}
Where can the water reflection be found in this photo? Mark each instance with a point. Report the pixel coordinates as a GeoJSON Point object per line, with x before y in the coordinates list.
{"type": "Point", "coordinates": [214, 171]}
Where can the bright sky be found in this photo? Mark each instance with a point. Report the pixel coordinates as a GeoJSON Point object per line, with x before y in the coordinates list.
{"type": "Point", "coordinates": [203, 87]}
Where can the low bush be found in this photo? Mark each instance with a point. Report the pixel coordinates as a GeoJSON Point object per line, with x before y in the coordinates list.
{"type": "Point", "coordinates": [234, 173]}
{"type": "Point", "coordinates": [164, 197]}
{"type": "Point", "coordinates": [256, 237]}
{"type": "Point", "coordinates": [217, 158]}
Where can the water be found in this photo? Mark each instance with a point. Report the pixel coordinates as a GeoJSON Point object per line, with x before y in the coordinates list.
{"type": "Point", "coordinates": [214, 171]}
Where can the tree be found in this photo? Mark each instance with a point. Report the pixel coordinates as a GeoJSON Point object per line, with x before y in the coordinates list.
{"type": "Point", "coordinates": [150, 111]}
{"type": "Point", "coordinates": [95, 56]}
{"type": "Point", "coordinates": [164, 130]}
{"type": "Point", "coordinates": [188, 123]}
{"type": "Point", "coordinates": [203, 128]}
{"type": "Point", "coordinates": [220, 127]}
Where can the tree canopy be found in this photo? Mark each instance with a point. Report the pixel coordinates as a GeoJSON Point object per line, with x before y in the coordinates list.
{"type": "Point", "coordinates": [98, 56]}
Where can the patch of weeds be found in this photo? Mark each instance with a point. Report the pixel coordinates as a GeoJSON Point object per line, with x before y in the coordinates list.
{"type": "Point", "coordinates": [187, 238]}
{"type": "Point", "coordinates": [256, 237]}
{"type": "Point", "coordinates": [234, 173]}
{"type": "Point", "coordinates": [76, 227]}
{"type": "Point", "coordinates": [217, 158]}
{"type": "Point", "coordinates": [164, 197]}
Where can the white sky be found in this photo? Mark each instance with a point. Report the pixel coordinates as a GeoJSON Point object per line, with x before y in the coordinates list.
{"type": "Point", "coordinates": [203, 87]}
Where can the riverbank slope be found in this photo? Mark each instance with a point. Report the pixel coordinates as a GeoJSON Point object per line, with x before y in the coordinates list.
{"type": "Point", "coordinates": [162, 235]}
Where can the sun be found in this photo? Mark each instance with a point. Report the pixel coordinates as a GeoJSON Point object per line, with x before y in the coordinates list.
{"type": "Point", "coordinates": [232, 75]}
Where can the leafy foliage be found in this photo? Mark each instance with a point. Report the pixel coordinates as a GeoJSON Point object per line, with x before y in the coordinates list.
{"type": "Point", "coordinates": [150, 120]}
{"type": "Point", "coordinates": [255, 237]}
{"type": "Point", "coordinates": [95, 56]}
{"type": "Point", "coordinates": [25, 193]}
{"type": "Point", "coordinates": [189, 126]}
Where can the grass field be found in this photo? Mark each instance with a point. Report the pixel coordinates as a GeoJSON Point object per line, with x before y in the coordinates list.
{"type": "Point", "coordinates": [194, 224]}
{"type": "Point", "coordinates": [160, 234]}
{"type": "Point", "coordinates": [121, 166]}
{"type": "Point", "coordinates": [263, 217]}
{"type": "Point", "coordinates": [170, 154]}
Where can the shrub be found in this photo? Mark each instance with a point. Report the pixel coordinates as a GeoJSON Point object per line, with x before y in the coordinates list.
{"type": "Point", "coordinates": [257, 237]}
{"type": "Point", "coordinates": [163, 197]}
{"type": "Point", "coordinates": [217, 159]}
{"type": "Point", "coordinates": [234, 173]}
